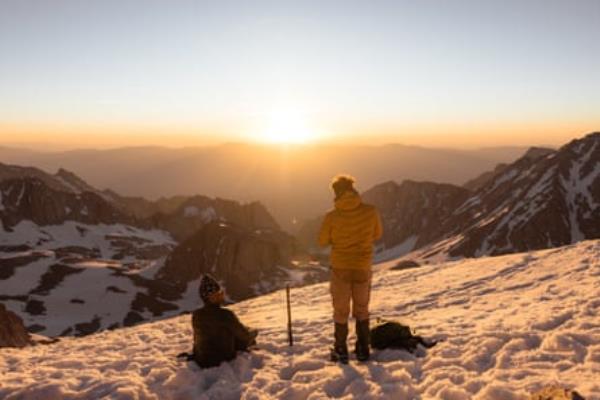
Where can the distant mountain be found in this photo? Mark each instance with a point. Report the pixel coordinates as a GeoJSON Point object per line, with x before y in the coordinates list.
{"type": "Point", "coordinates": [544, 199]}
{"type": "Point", "coordinates": [75, 260]}
{"type": "Point", "coordinates": [291, 181]}
{"type": "Point", "coordinates": [483, 179]}
{"type": "Point", "coordinates": [32, 199]}
{"type": "Point", "coordinates": [411, 211]}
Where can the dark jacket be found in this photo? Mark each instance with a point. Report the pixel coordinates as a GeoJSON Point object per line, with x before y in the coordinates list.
{"type": "Point", "coordinates": [218, 335]}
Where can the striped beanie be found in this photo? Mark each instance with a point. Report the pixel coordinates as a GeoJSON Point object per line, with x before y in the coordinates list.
{"type": "Point", "coordinates": [208, 286]}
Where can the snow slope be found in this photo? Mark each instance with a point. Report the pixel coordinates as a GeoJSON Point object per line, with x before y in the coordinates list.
{"type": "Point", "coordinates": [510, 325]}
{"type": "Point", "coordinates": [77, 278]}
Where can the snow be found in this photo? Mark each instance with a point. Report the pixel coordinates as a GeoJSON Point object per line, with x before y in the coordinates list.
{"type": "Point", "coordinates": [191, 211]}
{"type": "Point", "coordinates": [470, 202]}
{"type": "Point", "coordinates": [72, 233]}
{"type": "Point", "coordinates": [519, 213]}
{"type": "Point", "coordinates": [577, 191]}
{"type": "Point", "coordinates": [510, 325]}
{"type": "Point", "coordinates": [20, 197]}
{"type": "Point", "coordinates": [25, 279]}
{"type": "Point", "coordinates": [97, 264]}
{"type": "Point", "coordinates": [394, 252]}
{"type": "Point", "coordinates": [96, 290]}
{"type": "Point", "coordinates": [206, 215]}
{"type": "Point", "coordinates": [68, 185]}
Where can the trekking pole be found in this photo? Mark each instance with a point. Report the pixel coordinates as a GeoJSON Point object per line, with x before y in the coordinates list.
{"type": "Point", "coordinates": [289, 315]}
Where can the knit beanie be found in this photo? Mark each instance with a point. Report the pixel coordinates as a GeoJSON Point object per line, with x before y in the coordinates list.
{"type": "Point", "coordinates": [208, 286]}
{"type": "Point", "coordinates": [342, 184]}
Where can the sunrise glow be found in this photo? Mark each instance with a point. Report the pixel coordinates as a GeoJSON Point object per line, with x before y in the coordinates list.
{"type": "Point", "coordinates": [285, 126]}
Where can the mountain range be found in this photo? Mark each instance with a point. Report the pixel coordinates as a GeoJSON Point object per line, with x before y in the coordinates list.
{"type": "Point", "coordinates": [546, 198]}
{"type": "Point", "coordinates": [75, 259]}
{"type": "Point", "coordinates": [265, 173]}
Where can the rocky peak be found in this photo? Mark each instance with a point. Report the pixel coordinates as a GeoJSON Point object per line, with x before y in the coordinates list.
{"type": "Point", "coordinates": [30, 198]}
{"type": "Point", "coordinates": [73, 182]}
{"type": "Point", "coordinates": [483, 179]}
{"type": "Point", "coordinates": [245, 259]}
{"type": "Point", "coordinates": [535, 203]}
{"type": "Point", "coordinates": [192, 213]}
{"type": "Point", "coordinates": [536, 152]}
{"type": "Point", "coordinates": [413, 212]}
{"type": "Point", "coordinates": [10, 172]}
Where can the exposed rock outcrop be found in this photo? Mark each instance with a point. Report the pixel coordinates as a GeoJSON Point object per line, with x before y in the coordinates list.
{"type": "Point", "coordinates": [248, 262]}
{"type": "Point", "coordinates": [413, 213]}
{"type": "Point", "coordinates": [12, 330]}
{"type": "Point", "coordinates": [32, 199]}
{"type": "Point", "coordinates": [481, 180]}
{"type": "Point", "coordinates": [197, 211]}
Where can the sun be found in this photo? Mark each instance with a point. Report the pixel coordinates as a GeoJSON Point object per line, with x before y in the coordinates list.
{"type": "Point", "coordinates": [286, 126]}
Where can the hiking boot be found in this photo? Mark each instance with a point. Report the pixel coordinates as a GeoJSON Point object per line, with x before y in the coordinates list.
{"type": "Point", "coordinates": [339, 352]}
{"type": "Point", "coordinates": [362, 340]}
{"type": "Point", "coordinates": [339, 355]}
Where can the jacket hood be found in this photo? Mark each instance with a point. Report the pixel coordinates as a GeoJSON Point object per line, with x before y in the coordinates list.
{"type": "Point", "coordinates": [348, 201]}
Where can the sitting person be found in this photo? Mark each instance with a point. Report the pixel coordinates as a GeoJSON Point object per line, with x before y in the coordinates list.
{"type": "Point", "coordinates": [218, 333]}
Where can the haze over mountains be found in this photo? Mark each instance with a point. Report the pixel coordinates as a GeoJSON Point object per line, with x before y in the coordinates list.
{"type": "Point", "coordinates": [292, 182]}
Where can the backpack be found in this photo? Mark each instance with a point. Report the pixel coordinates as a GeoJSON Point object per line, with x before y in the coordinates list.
{"type": "Point", "coordinates": [394, 335]}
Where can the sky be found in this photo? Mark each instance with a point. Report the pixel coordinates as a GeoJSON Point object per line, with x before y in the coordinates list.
{"type": "Point", "coordinates": [438, 73]}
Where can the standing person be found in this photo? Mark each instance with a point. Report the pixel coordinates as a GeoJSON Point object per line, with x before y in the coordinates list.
{"type": "Point", "coordinates": [218, 333]}
{"type": "Point", "coordinates": [350, 228]}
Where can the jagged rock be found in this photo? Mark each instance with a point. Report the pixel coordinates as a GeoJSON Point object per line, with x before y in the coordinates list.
{"type": "Point", "coordinates": [481, 180]}
{"type": "Point", "coordinates": [544, 199]}
{"type": "Point", "coordinates": [32, 199]}
{"type": "Point", "coordinates": [9, 265]}
{"type": "Point", "coordinates": [85, 328]}
{"type": "Point", "coordinates": [132, 318]}
{"type": "Point", "coordinates": [195, 212]}
{"type": "Point", "coordinates": [414, 211]}
{"type": "Point", "coordinates": [556, 393]}
{"type": "Point", "coordinates": [35, 307]}
{"type": "Point", "coordinates": [12, 172]}
{"type": "Point", "coordinates": [143, 302]}
{"type": "Point", "coordinates": [405, 264]}
{"type": "Point", "coordinates": [12, 330]}
{"type": "Point", "coordinates": [241, 258]}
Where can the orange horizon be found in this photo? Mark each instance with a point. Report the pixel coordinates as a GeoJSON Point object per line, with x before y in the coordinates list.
{"type": "Point", "coordinates": [458, 135]}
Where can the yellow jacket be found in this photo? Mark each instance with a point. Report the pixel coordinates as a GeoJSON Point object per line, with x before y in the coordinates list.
{"type": "Point", "coordinates": [351, 228]}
